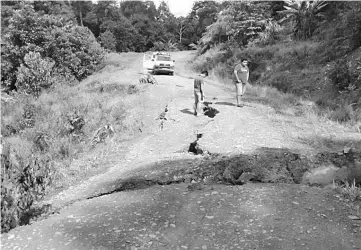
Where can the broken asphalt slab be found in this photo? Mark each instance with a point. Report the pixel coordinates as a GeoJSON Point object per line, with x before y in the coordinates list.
{"type": "Point", "coordinates": [252, 216]}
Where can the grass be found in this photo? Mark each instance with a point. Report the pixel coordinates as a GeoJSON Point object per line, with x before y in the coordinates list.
{"type": "Point", "coordinates": [296, 109]}
{"type": "Point", "coordinates": [108, 97]}
{"type": "Point", "coordinates": [349, 190]}
{"type": "Point", "coordinates": [288, 77]}
{"type": "Point", "coordinates": [352, 193]}
{"type": "Point", "coordinates": [50, 143]}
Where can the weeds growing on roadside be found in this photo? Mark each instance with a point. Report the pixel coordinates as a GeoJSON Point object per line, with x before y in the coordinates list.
{"type": "Point", "coordinates": [60, 123]}
{"type": "Point", "coordinates": [349, 190]}
{"type": "Point", "coordinates": [284, 73]}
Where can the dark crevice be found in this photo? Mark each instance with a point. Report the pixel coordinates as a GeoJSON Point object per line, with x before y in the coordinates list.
{"type": "Point", "coordinates": [269, 166]}
{"type": "Point", "coordinates": [194, 146]}
{"type": "Point", "coordinates": [265, 166]}
{"type": "Point", "coordinates": [137, 183]}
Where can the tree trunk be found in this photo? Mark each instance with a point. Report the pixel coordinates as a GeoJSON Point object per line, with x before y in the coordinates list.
{"type": "Point", "coordinates": [180, 33]}
{"type": "Point", "coordinates": [80, 14]}
{"type": "Point", "coordinates": [81, 18]}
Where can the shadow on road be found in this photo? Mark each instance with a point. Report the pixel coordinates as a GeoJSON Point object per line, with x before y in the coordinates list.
{"type": "Point", "coordinates": [225, 103]}
{"type": "Point", "coordinates": [187, 111]}
{"type": "Point", "coordinates": [231, 104]}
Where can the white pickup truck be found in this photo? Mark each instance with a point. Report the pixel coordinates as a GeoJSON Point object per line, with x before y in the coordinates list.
{"type": "Point", "coordinates": [158, 62]}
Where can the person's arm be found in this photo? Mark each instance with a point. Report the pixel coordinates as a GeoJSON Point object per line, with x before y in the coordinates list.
{"type": "Point", "coordinates": [248, 76]}
{"type": "Point", "coordinates": [235, 73]}
{"type": "Point", "coordinates": [202, 90]}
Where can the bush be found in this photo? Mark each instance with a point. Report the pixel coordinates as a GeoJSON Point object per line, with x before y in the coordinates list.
{"type": "Point", "coordinates": [342, 35]}
{"type": "Point", "coordinates": [34, 39]}
{"type": "Point", "coordinates": [75, 50]}
{"type": "Point", "coordinates": [342, 77]}
{"type": "Point", "coordinates": [270, 35]}
{"type": "Point", "coordinates": [282, 82]}
{"type": "Point", "coordinates": [339, 74]}
{"type": "Point", "coordinates": [23, 182]}
{"type": "Point", "coordinates": [107, 40]}
{"type": "Point", "coordinates": [34, 74]}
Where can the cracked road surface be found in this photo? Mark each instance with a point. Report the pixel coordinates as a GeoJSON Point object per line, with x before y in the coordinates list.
{"type": "Point", "coordinates": [252, 216]}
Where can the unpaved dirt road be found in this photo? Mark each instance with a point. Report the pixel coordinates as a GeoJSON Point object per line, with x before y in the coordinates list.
{"type": "Point", "coordinates": [99, 214]}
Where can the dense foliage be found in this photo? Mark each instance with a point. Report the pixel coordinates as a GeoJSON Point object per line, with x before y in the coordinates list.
{"type": "Point", "coordinates": [237, 23]}
{"type": "Point", "coordinates": [39, 47]}
{"type": "Point", "coordinates": [311, 49]}
{"type": "Point", "coordinates": [23, 182]}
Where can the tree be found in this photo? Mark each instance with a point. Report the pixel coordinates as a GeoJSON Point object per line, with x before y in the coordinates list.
{"type": "Point", "coordinates": [167, 22]}
{"type": "Point", "coordinates": [205, 13]}
{"type": "Point", "coordinates": [305, 16]}
{"type": "Point", "coordinates": [342, 31]}
{"type": "Point", "coordinates": [191, 28]}
{"type": "Point", "coordinates": [108, 40]}
{"type": "Point", "coordinates": [7, 11]}
{"type": "Point", "coordinates": [275, 7]}
{"type": "Point", "coordinates": [127, 37]}
{"type": "Point", "coordinates": [238, 23]}
{"type": "Point", "coordinates": [35, 41]}
{"type": "Point", "coordinates": [181, 26]}
{"type": "Point", "coordinates": [143, 17]}
{"type": "Point", "coordinates": [81, 8]}
{"type": "Point", "coordinates": [55, 8]}
{"type": "Point", "coordinates": [99, 13]}
{"type": "Point", "coordinates": [164, 14]}
{"type": "Point", "coordinates": [131, 8]}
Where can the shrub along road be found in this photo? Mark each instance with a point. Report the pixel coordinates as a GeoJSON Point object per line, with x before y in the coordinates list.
{"type": "Point", "coordinates": [160, 196]}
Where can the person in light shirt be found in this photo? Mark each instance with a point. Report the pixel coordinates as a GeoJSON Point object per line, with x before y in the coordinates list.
{"type": "Point", "coordinates": [240, 79]}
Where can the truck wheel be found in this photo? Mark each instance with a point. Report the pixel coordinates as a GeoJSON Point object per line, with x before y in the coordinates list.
{"type": "Point", "coordinates": [171, 73]}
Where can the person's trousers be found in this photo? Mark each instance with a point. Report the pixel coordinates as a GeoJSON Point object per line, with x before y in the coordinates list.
{"type": "Point", "coordinates": [240, 88]}
{"type": "Point", "coordinates": [198, 98]}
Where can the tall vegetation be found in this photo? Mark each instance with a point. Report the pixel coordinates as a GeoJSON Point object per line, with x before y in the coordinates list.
{"type": "Point", "coordinates": [42, 49]}
{"type": "Point", "coordinates": [308, 48]}
{"type": "Point", "coordinates": [130, 25]}
{"type": "Point", "coordinates": [304, 15]}
{"type": "Point", "coordinates": [237, 23]}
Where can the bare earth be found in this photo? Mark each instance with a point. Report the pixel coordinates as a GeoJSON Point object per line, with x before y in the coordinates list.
{"type": "Point", "coordinates": [95, 215]}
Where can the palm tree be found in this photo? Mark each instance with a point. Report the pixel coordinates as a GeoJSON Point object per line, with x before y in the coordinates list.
{"type": "Point", "coordinates": [305, 16]}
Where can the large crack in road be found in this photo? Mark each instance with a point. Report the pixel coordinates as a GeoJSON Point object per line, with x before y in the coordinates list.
{"type": "Point", "coordinates": [269, 165]}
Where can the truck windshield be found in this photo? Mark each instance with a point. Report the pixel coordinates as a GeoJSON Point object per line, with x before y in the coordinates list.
{"type": "Point", "coordinates": [163, 58]}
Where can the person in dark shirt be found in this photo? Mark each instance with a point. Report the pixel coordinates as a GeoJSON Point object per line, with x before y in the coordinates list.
{"type": "Point", "coordinates": [240, 79]}
{"type": "Point", "coordinates": [199, 92]}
